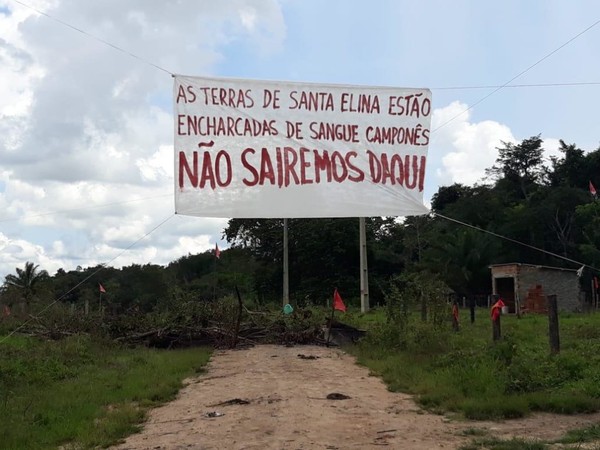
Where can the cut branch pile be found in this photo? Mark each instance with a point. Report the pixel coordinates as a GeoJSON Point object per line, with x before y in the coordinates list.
{"type": "Point", "coordinates": [225, 323]}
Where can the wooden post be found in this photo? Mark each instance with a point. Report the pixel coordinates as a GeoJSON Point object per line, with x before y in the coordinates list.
{"type": "Point", "coordinates": [364, 272]}
{"type": "Point", "coordinates": [238, 320]}
{"type": "Point", "coordinates": [286, 279]}
{"type": "Point", "coordinates": [496, 329]}
{"type": "Point", "coordinates": [472, 309]}
{"type": "Point", "coordinates": [330, 324]}
{"type": "Point", "coordinates": [553, 324]}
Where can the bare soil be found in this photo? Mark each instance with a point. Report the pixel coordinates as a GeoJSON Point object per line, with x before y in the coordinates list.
{"type": "Point", "coordinates": [288, 408]}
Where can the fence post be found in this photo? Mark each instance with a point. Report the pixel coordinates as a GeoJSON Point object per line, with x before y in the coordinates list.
{"type": "Point", "coordinates": [496, 330]}
{"type": "Point", "coordinates": [472, 309]}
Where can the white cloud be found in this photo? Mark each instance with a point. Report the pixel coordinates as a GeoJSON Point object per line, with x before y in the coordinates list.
{"type": "Point", "coordinates": [466, 149]}
{"type": "Point", "coordinates": [83, 125]}
{"type": "Point", "coordinates": [551, 147]}
{"type": "Point", "coordinates": [14, 253]}
{"type": "Point", "coordinates": [159, 166]}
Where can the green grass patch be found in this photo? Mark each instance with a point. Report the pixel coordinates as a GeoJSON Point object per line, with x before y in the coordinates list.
{"type": "Point", "coordinates": [474, 432]}
{"type": "Point", "coordinates": [83, 392]}
{"type": "Point", "coordinates": [501, 444]}
{"type": "Point", "coordinates": [466, 372]}
{"type": "Point", "coordinates": [490, 408]}
{"type": "Point", "coordinates": [581, 435]}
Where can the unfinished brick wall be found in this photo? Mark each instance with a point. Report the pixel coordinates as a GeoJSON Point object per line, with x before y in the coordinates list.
{"type": "Point", "coordinates": [562, 283]}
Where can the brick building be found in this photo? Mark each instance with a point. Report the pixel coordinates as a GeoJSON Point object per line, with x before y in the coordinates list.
{"type": "Point", "coordinates": [528, 285]}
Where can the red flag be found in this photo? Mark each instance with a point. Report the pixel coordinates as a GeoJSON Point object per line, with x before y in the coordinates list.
{"type": "Point", "coordinates": [592, 189]}
{"type": "Point", "coordinates": [455, 311]}
{"type": "Point", "coordinates": [217, 251]}
{"type": "Point", "coordinates": [102, 290]}
{"type": "Point", "coordinates": [496, 309]}
{"type": "Point", "coordinates": [6, 311]}
{"type": "Point", "coordinates": [338, 303]}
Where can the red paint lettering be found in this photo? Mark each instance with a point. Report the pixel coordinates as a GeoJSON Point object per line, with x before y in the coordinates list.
{"type": "Point", "coordinates": [360, 175]}
{"type": "Point", "coordinates": [207, 172]}
{"type": "Point", "coordinates": [304, 164]}
{"type": "Point", "coordinates": [397, 167]}
{"type": "Point", "coordinates": [337, 161]}
{"type": "Point", "coordinates": [409, 105]}
{"type": "Point", "coordinates": [311, 101]}
{"type": "Point", "coordinates": [415, 171]}
{"type": "Point", "coordinates": [279, 159]}
{"type": "Point", "coordinates": [184, 168]}
{"type": "Point", "coordinates": [227, 169]}
{"type": "Point", "coordinates": [386, 175]}
{"type": "Point", "coordinates": [266, 168]}
{"type": "Point", "coordinates": [180, 124]}
{"type": "Point", "coordinates": [322, 162]}
{"type": "Point", "coordinates": [271, 99]}
{"type": "Point", "coordinates": [233, 98]}
{"type": "Point", "coordinates": [334, 132]}
{"type": "Point", "coordinates": [249, 167]}
{"type": "Point", "coordinates": [374, 166]}
{"type": "Point", "coordinates": [422, 173]}
{"type": "Point", "coordinates": [290, 161]}
{"type": "Point", "coordinates": [360, 103]}
{"type": "Point", "coordinates": [181, 94]}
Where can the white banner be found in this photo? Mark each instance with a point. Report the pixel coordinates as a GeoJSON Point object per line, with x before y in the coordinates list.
{"type": "Point", "coordinates": [266, 149]}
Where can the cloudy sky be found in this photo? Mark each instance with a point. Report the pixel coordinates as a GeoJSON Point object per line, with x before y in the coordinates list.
{"type": "Point", "coordinates": [86, 131]}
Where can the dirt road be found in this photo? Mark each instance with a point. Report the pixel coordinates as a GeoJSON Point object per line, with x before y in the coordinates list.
{"type": "Point", "coordinates": [288, 409]}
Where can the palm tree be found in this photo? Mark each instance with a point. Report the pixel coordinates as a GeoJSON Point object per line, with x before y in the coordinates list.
{"type": "Point", "coordinates": [26, 279]}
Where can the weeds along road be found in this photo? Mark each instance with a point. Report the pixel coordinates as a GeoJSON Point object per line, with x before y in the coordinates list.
{"type": "Point", "coordinates": [286, 389]}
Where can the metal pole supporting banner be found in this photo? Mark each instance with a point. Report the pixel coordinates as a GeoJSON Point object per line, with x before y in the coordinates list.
{"type": "Point", "coordinates": [364, 272]}
{"type": "Point", "coordinates": [286, 281]}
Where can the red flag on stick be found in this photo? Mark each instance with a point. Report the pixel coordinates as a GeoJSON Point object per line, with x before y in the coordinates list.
{"type": "Point", "coordinates": [497, 309]}
{"type": "Point", "coordinates": [592, 190]}
{"type": "Point", "coordinates": [102, 290]}
{"type": "Point", "coordinates": [338, 303]}
{"type": "Point", "coordinates": [217, 251]}
{"type": "Point", "coordinates": [455, 312]}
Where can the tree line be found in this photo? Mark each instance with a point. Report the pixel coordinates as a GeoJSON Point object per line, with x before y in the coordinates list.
{"type": "Point", "coordinates": [545, 204]}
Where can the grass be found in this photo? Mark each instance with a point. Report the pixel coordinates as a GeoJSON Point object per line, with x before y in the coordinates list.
{"type": "Point", "coordinates": [581, 435]}
{"type": "Point", "coordinates": [82, 392]}
{"type": "Point", "coordinates": [465, 372]}
{"type": "Point", "coordinates": [501, 444]}
{"type": "Point", "coordinates": [472, 431]}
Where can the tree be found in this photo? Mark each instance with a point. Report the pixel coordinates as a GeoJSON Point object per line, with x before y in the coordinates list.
{"type": "Point", "coordinates": [447, 195]}
{"type": "Point", "coordinates": [26, 280]}
{"type": "Point", "coordinates": [520, 166]}
{"type": "Point", "coordinates": [323, 254]}
{"type": "Point", "coordinates": [570, 170]}
{"type": "Point", "coordinates": [461, 257]}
